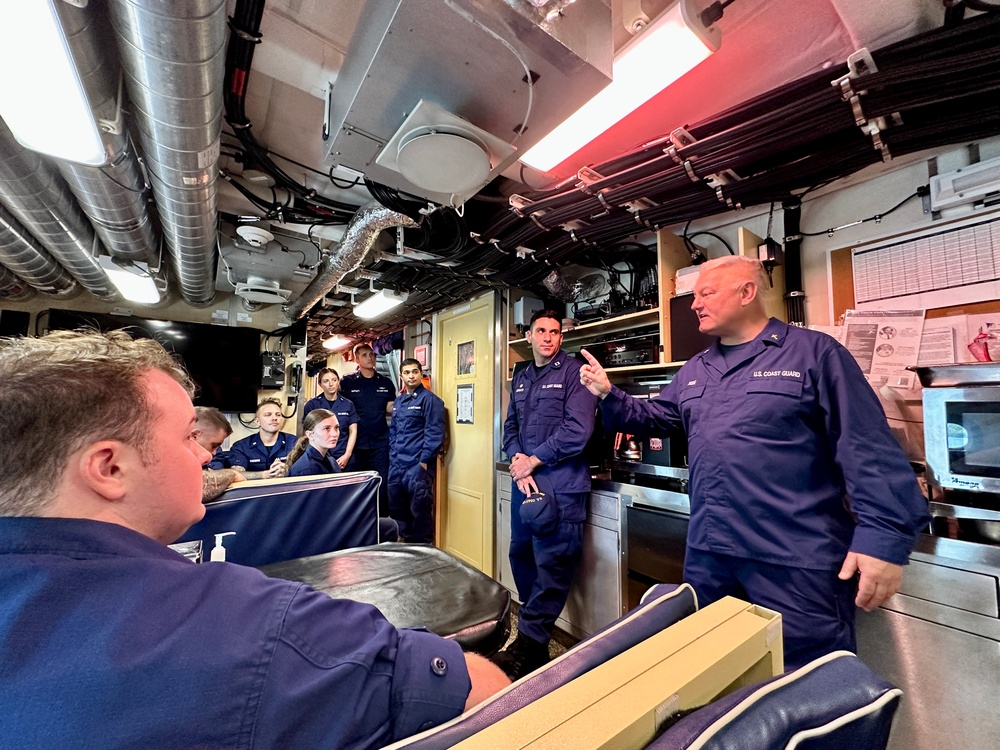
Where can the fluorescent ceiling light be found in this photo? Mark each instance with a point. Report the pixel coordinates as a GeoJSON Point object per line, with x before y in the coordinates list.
{"type": "Point", "coordinates": [380, 302]}
{"type": "Point", "coordinates": [134, 283]}
{"type": "Point", "coordinates": [336, 342]}
{"type": "Point", "coordinates": [42, 99]}
{"type": "Point", "coordinates": [667, 49]}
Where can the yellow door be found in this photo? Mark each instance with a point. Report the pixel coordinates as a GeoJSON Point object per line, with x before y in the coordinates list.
{"type": "Point", "coordinates": [464, 365]}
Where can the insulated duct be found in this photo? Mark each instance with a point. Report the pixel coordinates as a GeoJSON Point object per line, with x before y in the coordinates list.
{"type": "Point", "coordinates": [173, 58]}
{"type": "Point", "coordinates": [358, 239]}
{"type": "Point", "coordinates": [21, 254]}
{"type": "Point", "coordinates": [43, 204]}
{"type": "Point", "coordinates": [114, 196]}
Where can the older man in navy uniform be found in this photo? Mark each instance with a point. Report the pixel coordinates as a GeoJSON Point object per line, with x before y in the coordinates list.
{"type": "Point", "coordinates": [550, 419]}
{"type": "Point", "coordinates": [801, 499]}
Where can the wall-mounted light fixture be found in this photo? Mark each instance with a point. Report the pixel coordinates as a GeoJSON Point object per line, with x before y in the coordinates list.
{"type": "Point", "coordinates": [42, 98]}
{"type": "Point", "coordinates": [336, 342]}
{"type": "Point", "coordinates": [132, 280]}
{"type": "Point", "coordinates": [380, 302]}
{"type": "Point", "coordinates": [675, 42]}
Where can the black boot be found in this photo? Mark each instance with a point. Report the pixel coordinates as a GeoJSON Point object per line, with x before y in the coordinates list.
{"type": "Point", "coordinates": [522, 657]}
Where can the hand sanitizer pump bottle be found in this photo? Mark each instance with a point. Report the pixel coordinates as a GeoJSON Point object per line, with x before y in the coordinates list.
{"type": "Point", "coordinates": [218, 551]}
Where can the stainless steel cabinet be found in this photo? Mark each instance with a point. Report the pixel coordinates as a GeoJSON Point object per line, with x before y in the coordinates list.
{"type": "Point", "coordinates": [595, 598]}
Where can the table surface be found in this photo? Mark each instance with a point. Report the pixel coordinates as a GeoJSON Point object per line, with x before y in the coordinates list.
{"type": "Point", "coordinates": [413, 586]}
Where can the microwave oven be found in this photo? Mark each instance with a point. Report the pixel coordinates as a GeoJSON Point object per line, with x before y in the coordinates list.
{"type": "Point", "coordinates": [962, 437]}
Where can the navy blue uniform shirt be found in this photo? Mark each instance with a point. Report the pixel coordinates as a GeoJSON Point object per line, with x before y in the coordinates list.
{"type": "Point", "coordinates": [343, 409]}
{"type": "Point", "coordinates": [370, 397]}
{"type": "Point", "coordinates": [792, 460]}
{"type": "Point", "coordinates": [313, 462]}
{"type": "Point", "coordinates": [551, 416]}
{"type": "Point", "coordinates": [417, 431]}
{"type": "Point", "coordinates": [253, 455]}
{"type": "Point", "coordinates": [112, 641]}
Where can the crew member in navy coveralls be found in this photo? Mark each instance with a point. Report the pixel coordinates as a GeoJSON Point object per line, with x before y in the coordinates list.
{"type": "Point", "coordinates": [802, 501]}
{"type": "Point", "coordinates": [550, 419]}
{"type": "Point", "coordinates": [347, 417]}
{"type": "Point", "coordinates": [415, 439]}
{"type": "Point", "coordinates": [262, 456]}
{"type": "Point", "coordinates": [372, 395]}
{"type": "Point", "coordinates": [312, 454]}
{"type": "Point", "coordinates": [108, 637]}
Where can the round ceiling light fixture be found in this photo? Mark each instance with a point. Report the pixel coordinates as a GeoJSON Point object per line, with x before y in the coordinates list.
{"type": "Point", "coordinates": [443, 162]}
{"type": "Point", "coordinates": [254, 236]}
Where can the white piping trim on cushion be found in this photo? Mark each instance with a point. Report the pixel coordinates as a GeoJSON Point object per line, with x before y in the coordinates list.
{"type": "Point", "coordinates": [877, 705]}
{"type": "Point", "coordinates": [757, 695]}
{"type": "Point", "coordinates": [620, 623]}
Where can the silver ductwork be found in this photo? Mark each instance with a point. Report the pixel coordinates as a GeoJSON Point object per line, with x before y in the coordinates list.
{"type": "Point", "coordinates": [114, 196]}
{"type": "Point", "coordinates": [13, 289]}
{"type": "Point", "coordinates": [42, 202]}
{"type": "Point", "coordinates": [358, 239]}
{"type": "Point", "coordinates": [22, 256]}
{"type": "Point", "coordinates": [173, 54]}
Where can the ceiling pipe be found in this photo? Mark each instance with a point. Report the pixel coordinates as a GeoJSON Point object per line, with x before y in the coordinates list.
{"type": "Point", "coordinates": [114, 196]}
{"type": "Point", "coordinates": [173, 58]}
{"type": "Point", "coordinates": [23, 257]}
{"type": "Point", "coordinates": [358, 239]}
{"type": "Point", "coordinates": [43, 204]}
{"type": "Point", "coordinates": [12, 288]}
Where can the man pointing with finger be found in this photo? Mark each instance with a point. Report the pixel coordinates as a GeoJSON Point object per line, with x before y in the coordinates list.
{"type": "Point", "coordinates": [801, 499]}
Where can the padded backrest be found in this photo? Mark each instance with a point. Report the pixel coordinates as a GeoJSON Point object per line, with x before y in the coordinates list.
{"type": "Point", "coordinates": [832, 703]}
{"type": "Point", "coordinates": [284, 519]}
{"type": "Point", "coordinates": [662, 606]}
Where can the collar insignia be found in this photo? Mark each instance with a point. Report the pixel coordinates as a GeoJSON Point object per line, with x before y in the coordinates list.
{"type": "Point", "coordinates": [774, 336]}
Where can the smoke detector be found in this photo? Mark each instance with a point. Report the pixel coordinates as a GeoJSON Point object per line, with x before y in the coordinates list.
{"type": "Point", "coordinates": [254, 236]}
{"type": "Point", "coordinates": [262, 291]}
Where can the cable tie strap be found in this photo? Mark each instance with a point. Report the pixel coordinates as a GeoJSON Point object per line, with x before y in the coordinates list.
{"type": "Point", "coordinates": [245, 35]}
{"type": "Point", "coordinates": [671, 151]}
{"type": "Point", "coordinates": [600, 197]}
{"type": "Point", "coordinates": [519, 203]}
{"type": "Point", "coordinates": [859, 64]}
{"type": "Point", "coordinates": [538, 222]}
{"type": "Point", "coordinates": [587, 177]}
{"type": "Point", "coordinates": [690, 171]}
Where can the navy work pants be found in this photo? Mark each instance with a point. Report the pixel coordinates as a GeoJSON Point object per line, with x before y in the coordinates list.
{"type": "Point", "coordinates": [374, 459]}
{"type": "Point", "coordinates": [817, 608]}
{"type": "Point", "coordinates": [411, 501]}
{"type": "Point", "coordinates": [544, 568]}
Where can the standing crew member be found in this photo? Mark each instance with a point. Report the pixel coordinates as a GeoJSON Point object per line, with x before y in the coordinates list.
{"type": "Point", "coordinates": [262, 456]}
{"type": "Point", "coordinates": [550, 419]}
{"type": "Point", "coordinates": [347, 417]}
{"type": "Point", "coordinates": [415, 439]}
{"type": "Point", "coordinates": [112, 640]}
{"type": "Point", "coordinates": [797, 485]}
{"type": "Point", "coordinates": [372, 395]}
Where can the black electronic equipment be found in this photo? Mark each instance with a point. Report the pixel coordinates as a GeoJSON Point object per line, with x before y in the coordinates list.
{"type": "Point", "coordinates": [272, 370]}
{"type": "Point", "coordinates": [14, 323]}
{"type": "Point", "coordinates": [637, 348]}
{"type": "Point", "coordinates": [223, 361]}
{"type": "Point", "coordinates": [297, 334]}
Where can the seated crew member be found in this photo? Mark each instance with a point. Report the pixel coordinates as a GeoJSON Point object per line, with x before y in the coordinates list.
{"type": "Point", "coordinates": [372, 395]}
{"type": "Point", "coordinates": [347, 416]}
{"type": "Point", "coordinates": [210, 432]}
{"type": "Point", "coordinates": [415, 439]}
{"type": "Point", "coordinates": [262, 456]}
{"type": "Point", "coordinates": [108, 636]}
{"type": "Point", "coordinates": [312, 455]}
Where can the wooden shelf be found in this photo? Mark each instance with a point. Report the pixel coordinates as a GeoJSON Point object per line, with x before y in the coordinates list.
{"type": "Point", "coordinates": [586, 332]}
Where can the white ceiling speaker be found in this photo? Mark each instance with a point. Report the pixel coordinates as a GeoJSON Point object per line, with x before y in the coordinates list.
{"type": "Point", "coordinates": [262, 291]}
{"type": "Point", "coordinates": [254, 236]}
{"type": "Point", "coordinates": [440, 152]}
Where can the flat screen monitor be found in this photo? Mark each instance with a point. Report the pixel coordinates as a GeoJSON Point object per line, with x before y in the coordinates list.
{"type": "Point", "coordinates": [224, 362]}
